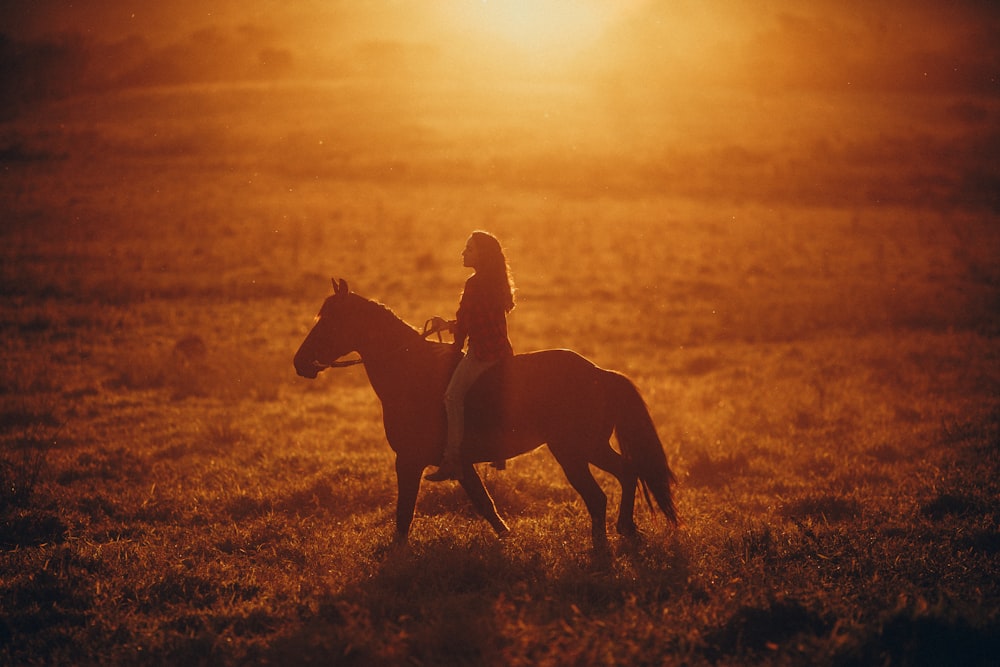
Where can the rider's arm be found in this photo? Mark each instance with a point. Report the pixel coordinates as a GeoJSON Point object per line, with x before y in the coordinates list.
{"type": "Point", "coordinates": [461, 328]}
{"type": "Point", "coordinates": [461, 331]}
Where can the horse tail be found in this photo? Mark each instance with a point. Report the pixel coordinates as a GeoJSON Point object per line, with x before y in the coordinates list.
{"type": "Point", "coordinates": [641, 445]}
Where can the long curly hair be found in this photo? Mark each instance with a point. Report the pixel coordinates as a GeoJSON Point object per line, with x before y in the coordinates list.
{"type": "Point", "coordinates": [493, 268]}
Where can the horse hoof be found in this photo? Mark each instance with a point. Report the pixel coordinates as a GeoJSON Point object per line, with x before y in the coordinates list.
{"type": "Point", "coordinates": [601, 544]}
{"type": "Point", "coordinates": [630, 531]}
{"type": "Point", "coordinates": [601, 557]}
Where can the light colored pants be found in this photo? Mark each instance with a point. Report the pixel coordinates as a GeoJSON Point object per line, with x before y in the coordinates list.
{"type": "Point", "coordinates": [466, 373]}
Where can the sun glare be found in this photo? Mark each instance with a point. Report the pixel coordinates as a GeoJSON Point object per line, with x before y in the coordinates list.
{"type": "Point", "coordinates": [538, 27]}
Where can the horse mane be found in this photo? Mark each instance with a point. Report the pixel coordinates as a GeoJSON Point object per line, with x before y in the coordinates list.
{"type": "Point", "coordinates": [381, 317]}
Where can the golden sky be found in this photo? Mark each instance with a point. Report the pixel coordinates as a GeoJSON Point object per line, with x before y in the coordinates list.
{"type": "Point", "coordinates": [873, 97]}
{"type": "Point", "coordinates": [918, 44]}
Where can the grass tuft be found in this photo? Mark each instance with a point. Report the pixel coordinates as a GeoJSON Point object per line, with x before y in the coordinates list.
{"type": "Point", "coordinates": [951, 504]}
{"type": "Point", "coordinates": [756, 541]}
{"type": "Point", "coordinates": [756, 630]}
{"type": "Point", "coordinates": [26, 436]}
{"type": "Point", "coordinates": [827, 507]}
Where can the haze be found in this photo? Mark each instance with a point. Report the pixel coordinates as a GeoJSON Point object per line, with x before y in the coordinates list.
{"type": "Point", "coordinates": [923, 46]}
{"type": "Point", "coordinates": [652, 86]}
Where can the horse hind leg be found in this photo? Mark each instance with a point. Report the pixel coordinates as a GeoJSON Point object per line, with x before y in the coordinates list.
{"type": "Point", "coordinates": [577, 470]}
{"type": "Point", "coordinates": [610, 461]}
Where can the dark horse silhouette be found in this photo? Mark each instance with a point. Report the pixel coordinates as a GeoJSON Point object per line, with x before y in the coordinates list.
{"type": "Point", "coordinates": [553, 397]}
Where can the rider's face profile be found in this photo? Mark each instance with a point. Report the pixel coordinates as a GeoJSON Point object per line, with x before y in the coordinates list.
{"type": "Point", "coordinates": [470, 256]}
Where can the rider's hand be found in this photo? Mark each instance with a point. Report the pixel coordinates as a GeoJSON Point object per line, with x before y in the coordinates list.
{"type": "Point", "coordinates": [441, 324]}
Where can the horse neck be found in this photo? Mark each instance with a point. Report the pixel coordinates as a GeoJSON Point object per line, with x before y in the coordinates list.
{"type": "Point", "coordinates": [384, 333]}
{"type": "Point", "coordinates": [389, 349]}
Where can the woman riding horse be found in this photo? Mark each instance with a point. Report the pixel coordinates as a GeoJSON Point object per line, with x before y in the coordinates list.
{"type": "Point", "coordinates": [482, 317]}
{"type": "Point", "coordinates": [552, 397]}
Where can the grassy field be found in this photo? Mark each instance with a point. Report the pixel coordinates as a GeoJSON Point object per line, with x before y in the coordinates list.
{"type": "Point", "coordinates": [816, 339]}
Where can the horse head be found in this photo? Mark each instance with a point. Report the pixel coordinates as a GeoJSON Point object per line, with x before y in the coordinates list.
{"type": "Point", "coordinates": [331, 337]}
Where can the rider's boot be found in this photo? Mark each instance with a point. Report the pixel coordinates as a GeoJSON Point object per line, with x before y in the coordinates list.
{"type": "Point", "coordinates": [450, 468]}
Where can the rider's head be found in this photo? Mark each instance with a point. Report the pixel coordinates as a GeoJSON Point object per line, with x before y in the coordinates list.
{"type": "Point", "coordinates": [491, 263]}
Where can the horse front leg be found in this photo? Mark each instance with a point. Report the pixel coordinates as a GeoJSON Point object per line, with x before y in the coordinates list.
{"type": "Point", "coordinates": [482, 500]}
{"type": "Point", "coordinates": [407, 485]}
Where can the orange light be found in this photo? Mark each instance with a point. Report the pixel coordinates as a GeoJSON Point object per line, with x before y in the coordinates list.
{"type": "Point", "coordinates": [538, 27]}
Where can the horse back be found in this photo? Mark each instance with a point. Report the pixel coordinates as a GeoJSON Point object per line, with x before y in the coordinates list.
{"type": "Point", "coordinates": [538, 396]}
{"type": "Point", "coordinates": [515, 406]}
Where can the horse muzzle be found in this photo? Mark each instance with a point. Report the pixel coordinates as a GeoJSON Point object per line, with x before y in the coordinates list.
{"type": "Point", "coordinates": [308, 369]}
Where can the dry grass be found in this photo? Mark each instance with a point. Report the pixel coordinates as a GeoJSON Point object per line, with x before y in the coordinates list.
{"type": "Point", "coordinates": [824, 379]}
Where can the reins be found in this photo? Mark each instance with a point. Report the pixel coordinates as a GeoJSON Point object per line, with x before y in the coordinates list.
{"type": "Point", "coordinates": [429, 329]}
{"type": "Point", "coordinates": [338, 364]}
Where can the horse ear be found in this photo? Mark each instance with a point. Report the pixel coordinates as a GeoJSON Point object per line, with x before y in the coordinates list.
{"type": "Point", "coordinates": [335, 287]}
{"type": "Point", "coordinates": [344, 289]}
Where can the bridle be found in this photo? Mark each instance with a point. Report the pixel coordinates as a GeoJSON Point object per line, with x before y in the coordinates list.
{"type": "Point", "coordinates": [428, 330]}
{"type": "Point", "coordinates": [338, 364]}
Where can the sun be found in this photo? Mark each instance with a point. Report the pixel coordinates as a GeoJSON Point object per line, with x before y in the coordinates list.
{"type": "Point", "coordinates": [538, 27]}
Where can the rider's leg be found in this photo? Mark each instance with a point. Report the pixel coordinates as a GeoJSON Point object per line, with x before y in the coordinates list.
{"type": "Point", "coordinates": [468, 370]}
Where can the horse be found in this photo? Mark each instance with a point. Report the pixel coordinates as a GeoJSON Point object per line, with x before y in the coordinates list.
{"type": "Point", "coordinates": [555, 397]}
